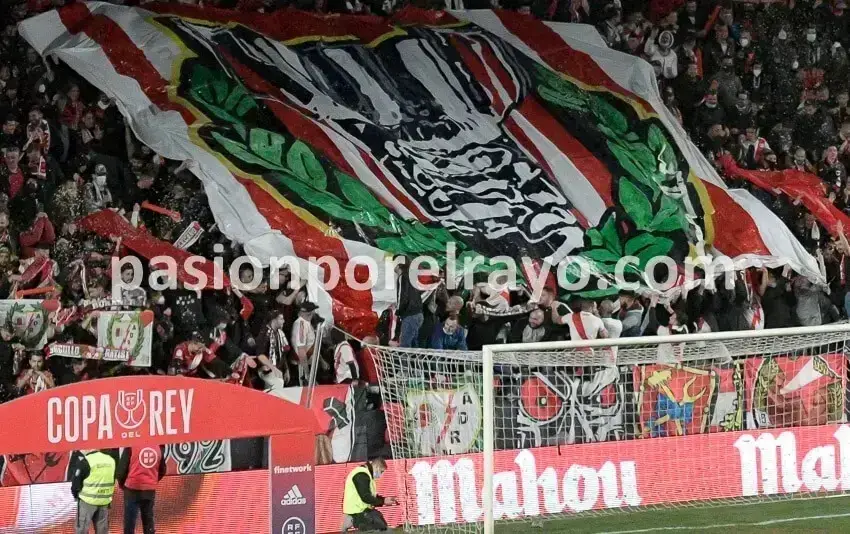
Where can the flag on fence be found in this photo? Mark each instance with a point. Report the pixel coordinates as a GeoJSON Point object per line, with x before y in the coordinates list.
{"type": "Point", "coordinates": [558, 407]}
{"type": "Point", "coordinates": [127, 333]}
{"type": "Point", "coordinates": [673, 400]}
{"type": "Point", "coordinates": [785, 391]}
{"type": "Point", "coordinates": [540, 141]}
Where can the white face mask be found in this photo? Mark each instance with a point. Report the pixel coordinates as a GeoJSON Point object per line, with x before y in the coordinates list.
{"type": "Point", "coordinates": [795, 64]}
{"type": "Point", "coordinates": [745, 42]}
{"type": "Point", "coordinates": [756, 72]}
{"type": "Point", "coordinates": [810, 37]}
{"type": "Point", "coordinates": [100, 181]}
{"type": "Point", "coordinates": [783, 35]}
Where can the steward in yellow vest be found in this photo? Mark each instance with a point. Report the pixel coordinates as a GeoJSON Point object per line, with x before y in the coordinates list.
{"type": "Point", "coordinates": [92, 486]}
{"type": "Point", "coordinates": [360, 497]}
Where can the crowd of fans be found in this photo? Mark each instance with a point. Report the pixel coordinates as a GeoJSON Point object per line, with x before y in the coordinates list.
{"type": "Point", "coordinates": [763, 81]}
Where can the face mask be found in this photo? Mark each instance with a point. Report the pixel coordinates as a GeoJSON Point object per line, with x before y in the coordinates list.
{"type": "Point", "coordinates": [756, 72]}
{"type": "Point", "coordinates": [376, 476]}
{"type": "Point", "coordinates": [711, 105]}
{"type": "Point", "coordinates": [100, 181]}
{"type": "Point", "coordinates": [799, 161]}
{"type": "Point", "coordinates": [795, 64]}
{"type": "Point", "coordinates": [783, 35]}
{"type": "Point", "coordinates": [745, 42]}
{"type": "Point", "coordinates": [810, 37]}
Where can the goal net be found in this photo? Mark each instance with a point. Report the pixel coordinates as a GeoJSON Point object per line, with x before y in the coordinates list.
{"type": "Point", "coordinates": [545, 431]}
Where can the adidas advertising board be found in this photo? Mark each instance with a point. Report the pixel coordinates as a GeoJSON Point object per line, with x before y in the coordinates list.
{"type": "Point", "coordinates": [292, 489]}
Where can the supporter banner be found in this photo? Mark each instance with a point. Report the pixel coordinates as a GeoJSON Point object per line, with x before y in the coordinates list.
{"type": "Point", "coordinates": [443, 421]}
{"type": "Point", "coordinates": [189, 236]}
{"type": "Point", "coordinates": [27, 320]}
{"type": "Point", "coordinates": [782, 391]}
{"type": "Point", "coordinates": [553, 407]}
{"type": "Point", "coordinates": [127, 334]}
{"type": "Point", "coordinates": [87, 352]}
{"type": "Point", "coordinates": [528, 483]}
{"type": "Point", "coordinates": [540, 140]}
{"type": "Point", "coordinates": [340, 411]}
{"type": "Point", "coordinates": [198, 457]}
{"type": "Point", "coordinates": [804, 391]}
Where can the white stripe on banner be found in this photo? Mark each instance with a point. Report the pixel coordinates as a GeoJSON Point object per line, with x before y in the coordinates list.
{"type": "Point", "coordinates": [167, 134]}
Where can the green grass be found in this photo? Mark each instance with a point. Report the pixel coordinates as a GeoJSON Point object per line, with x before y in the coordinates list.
{"type": "Point", "coordinates": [783, 516]}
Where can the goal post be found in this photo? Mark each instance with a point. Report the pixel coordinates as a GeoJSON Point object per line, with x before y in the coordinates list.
{"type": "Point", "coordinates": [538, 431]}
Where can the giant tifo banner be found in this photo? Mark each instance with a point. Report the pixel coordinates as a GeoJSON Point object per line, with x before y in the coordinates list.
{"type": "Point", "coordinates": [350, 136]}
{"type": "Point", "coordinates": [527, 483]}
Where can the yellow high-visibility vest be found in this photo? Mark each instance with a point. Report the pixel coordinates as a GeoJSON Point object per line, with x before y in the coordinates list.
{"type": "Point", "coordinates": [351, 502]}
{"type": "Point", "coordinates": [99, 486]}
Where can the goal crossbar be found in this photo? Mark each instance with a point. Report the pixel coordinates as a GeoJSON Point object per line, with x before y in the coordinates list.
{"type": "Point", "coordinates": [489, 353]}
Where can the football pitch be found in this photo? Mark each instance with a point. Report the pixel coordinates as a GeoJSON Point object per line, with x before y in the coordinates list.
{"type": "Point", "coordinates": [825, 514]}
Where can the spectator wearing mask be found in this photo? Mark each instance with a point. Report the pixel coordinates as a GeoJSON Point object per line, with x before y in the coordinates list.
{"type": "Point", "coordinates": [689, 91]}
{"type": "Point", "coordinates": [96, 193]}
{"type": "Point", "coordinates": [756, 83]}
{"type": "Point", "coordinates": [448, 334]}
{"type": "Point", "coordinates": [709, 113]}
{"type": "Point", "coordinates": [661, 53]}
{"type": "Point", "coordinates": [742, 115]}
{"type": "Point", "coordinates": [812, 53]}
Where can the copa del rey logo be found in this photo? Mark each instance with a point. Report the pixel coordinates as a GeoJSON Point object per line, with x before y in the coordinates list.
{"type": "Point", "coordinates": [128, 414]}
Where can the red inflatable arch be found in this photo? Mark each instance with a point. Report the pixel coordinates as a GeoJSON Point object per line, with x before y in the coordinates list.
{"type": "Point", "coordinates": [153, 410]}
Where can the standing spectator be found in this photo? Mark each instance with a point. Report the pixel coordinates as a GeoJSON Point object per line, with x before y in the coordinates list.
{"type": "Point", "coordinates": [346, 369]}
{"type": "Point", "coordinates": [11, 174]}
{"type": "Point", "coordinates": [304, 340]}
{"type": "Point", "coordinates": [408, 307]}
{"type": "Point", "coordinates": [96, 192]}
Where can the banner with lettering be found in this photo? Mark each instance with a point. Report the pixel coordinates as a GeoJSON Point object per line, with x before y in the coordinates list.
{"type": "Point", "coordinates": [126, 336]}
{"type": "Point", "coordinates": [496, 132]}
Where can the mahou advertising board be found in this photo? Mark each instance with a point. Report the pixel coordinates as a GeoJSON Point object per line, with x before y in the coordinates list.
{"type": "Point", "coordinates": [529, 482]}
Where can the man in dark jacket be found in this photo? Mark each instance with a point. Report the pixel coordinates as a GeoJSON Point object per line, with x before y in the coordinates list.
{"type": "Point", "coordinates": [409, 307]}
{"type": "Point", "coordinates": [138, 472]}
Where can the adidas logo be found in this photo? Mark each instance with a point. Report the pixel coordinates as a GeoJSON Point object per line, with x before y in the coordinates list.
{"type": "Point", "coordinates": [293, 497]}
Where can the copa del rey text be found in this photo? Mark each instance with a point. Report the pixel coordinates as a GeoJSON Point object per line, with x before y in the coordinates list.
{"type": "Point", "coordinates": [129, 414]}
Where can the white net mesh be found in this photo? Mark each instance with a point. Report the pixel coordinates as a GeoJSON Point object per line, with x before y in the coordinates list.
{"type": "Point", "coordinates": [594, 429]}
